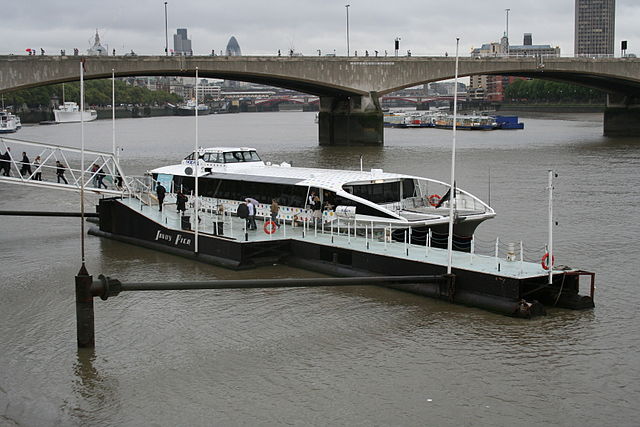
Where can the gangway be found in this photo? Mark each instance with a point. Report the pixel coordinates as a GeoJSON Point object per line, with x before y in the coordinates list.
{"type": "Point", "coordinates": [44, 172]}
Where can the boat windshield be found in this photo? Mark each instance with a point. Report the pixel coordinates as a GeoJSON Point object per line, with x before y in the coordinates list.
{"type": "Point", "coordinates": [241, 156]}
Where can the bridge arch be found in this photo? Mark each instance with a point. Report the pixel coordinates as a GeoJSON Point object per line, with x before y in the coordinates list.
{"type": "Point", "coordinates": [349, 87]}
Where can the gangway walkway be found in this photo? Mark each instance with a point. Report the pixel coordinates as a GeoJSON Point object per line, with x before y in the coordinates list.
{"type": "Point", "coordinates": [42, 168]}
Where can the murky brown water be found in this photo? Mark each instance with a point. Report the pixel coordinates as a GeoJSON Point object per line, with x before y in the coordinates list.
{"type": "Point", "coordinates": [356, 356]}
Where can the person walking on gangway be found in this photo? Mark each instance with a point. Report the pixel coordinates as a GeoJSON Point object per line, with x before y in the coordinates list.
{"type": "Point", "coordinates": [100, 177]}
{"type": "Point", "coordinates": [36, 165]}
{"type": "Point", "coordinates": [25, 170]}
{"type": "Point", "coordinates": [160, 192]}
{"type": "Point", "coordinates": [60, 168]}
{"type": "Point", "coordinates": [5, 162]}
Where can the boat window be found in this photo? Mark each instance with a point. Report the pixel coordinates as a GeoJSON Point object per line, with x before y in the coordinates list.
{"type": "Point", "coordinates": [189, 157]}
{"type": "Point", "coordinates": [386, 192]}
{"type": "Point", "coordinates": [409, 188]}
{"type": "Point", "coordinates": [211, 157]}
{"type": "Point", "coordinates": [231, 158]}
{"type": "Point", "coordinates": [253, 156]}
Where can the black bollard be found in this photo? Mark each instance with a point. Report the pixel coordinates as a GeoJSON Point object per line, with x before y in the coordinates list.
{"type": "Point", "coordinates": [84, 309]}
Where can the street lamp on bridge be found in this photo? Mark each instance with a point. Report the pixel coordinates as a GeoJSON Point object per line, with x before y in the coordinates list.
{"type": "Point", "coordinates": [397, 45]}
{"type": "Point", "coordinates": [347, 7]}
{"type": "Point", "coordinates": [166, 32]}
{"type": "Point", "coordinates": [507, 32]}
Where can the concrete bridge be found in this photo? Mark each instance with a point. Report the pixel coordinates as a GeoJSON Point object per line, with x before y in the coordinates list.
{"type": "Point", "coordinates": [349, 88]}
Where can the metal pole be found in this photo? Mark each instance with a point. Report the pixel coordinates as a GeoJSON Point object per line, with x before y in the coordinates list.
{"type": "Point", "coordinates": [452, 192]}
{"type": "Point", "coordinates": [113, 113]}
{"type": "Point", "coordinates": [81, 160]}
{"type": "Point", "coordinates": [267, 283]}
{"type": "Point", "coordinates": [347, 7]}
{"type": "Point", "coordinates": [197, 167]}
{"type": "Point", "coordinates": [550, 258]}
{"type": "Point", "coordinates": [166, 32]}
{"type": "Point", "coordinates": [85, 328]}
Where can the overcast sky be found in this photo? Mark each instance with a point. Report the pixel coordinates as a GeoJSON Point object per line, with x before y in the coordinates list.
{"type": "Point", "coordinates": [426, 27]}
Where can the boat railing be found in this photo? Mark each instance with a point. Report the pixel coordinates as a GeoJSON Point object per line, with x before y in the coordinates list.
{"type": "Point", "coordinates": [372, 235]}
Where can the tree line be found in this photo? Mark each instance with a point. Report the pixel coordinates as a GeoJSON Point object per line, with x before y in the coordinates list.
{"type": "Point", "coordinates": [546, 91]}
{"type": "Point", "coordinates": [96, 93]}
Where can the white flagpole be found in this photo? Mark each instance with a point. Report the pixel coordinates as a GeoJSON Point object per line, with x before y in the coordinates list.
{"type": "Point", "coordinates": [195, 155]}
{"type": "Point", "coordinates": [113, 113]}
{"type": "Point", "coordinates": [82, 159]}
{"type": "Point", "coordinates": [452, 195]}
{"type": "Point", "coordinates": [550, 251]}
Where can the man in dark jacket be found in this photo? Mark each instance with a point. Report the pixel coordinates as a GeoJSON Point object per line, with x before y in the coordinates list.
{"type": "Point", "coordinates": [25, 170]}
{"type": "Point", "coordinates": [160, 192]}
{"type": "Point", "coordinates": [5, 164]}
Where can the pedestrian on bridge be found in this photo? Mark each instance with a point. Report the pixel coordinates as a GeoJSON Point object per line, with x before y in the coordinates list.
{"type": "Point", "coordinates": [60, 168]}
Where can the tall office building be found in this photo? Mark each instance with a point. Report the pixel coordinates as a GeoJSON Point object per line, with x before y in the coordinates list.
{"type": "Point", "coordinates": [595, 27]}
{"type": "Point", "coordinates": [233, 48]}
{"type": "Point", "coordinates": [181, 44]}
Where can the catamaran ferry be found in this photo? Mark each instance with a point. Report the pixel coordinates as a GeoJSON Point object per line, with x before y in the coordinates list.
{"type": "Point", "coordinates": [229, 175]}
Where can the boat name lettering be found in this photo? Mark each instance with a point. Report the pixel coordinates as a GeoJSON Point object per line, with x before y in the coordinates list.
{"type": "Point", "coordinates": [182, 240]}
{"type": "Point", "coordinates": [179, 239]}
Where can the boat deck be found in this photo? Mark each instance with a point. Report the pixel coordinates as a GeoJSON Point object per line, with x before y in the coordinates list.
{"type": "Point", "coordinates": [233, 228]}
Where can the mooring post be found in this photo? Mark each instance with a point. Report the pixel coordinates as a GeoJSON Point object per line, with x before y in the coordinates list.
{"type": "Point", "coordinates": [84, 309]}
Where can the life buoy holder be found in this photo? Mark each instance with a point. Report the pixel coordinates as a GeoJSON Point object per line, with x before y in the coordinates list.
{"type": "Point", "coordinates": [434, 199]}
{"type": "Point", "coordinates": [270, 227]}
{"type": "Point", "coordinates": [544, 260]}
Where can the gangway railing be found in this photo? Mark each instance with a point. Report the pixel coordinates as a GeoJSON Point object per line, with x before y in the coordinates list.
{"type": "Point", "coordinates": [57, 166]}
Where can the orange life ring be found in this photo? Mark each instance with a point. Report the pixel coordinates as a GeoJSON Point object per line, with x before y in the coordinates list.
{"type": "Point", "coordinates": [544, 260]}
{"type": "Point", "coordinates": [434, 199]}
{"type": "Point", "coordinates": [270, 227]}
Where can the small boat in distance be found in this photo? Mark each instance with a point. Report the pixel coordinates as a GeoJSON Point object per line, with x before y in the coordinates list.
{"type": "Point", "coordinates": [69, 112]}
{"type": "Point", "coordinates": [8, 122]}
{"type": "Point", "coordinates": [189, 109]}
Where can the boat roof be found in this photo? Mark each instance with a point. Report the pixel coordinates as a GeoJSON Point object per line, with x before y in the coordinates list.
{"type": "Point", "coordinates": [330, 179]}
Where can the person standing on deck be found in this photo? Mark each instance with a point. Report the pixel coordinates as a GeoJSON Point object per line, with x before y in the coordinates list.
{"type": "Point", "coordinates": [251, 217]}
{"type": "Point", "coordinates": [160, 192]}
{"type": "Point", "coordinates": [181, 202]}
{"type": "Point", "coordinates": [275, 208]}
{"type": "Point", "coordinates": [317, 210]}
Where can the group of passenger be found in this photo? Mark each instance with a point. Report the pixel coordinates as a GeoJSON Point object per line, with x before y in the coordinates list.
{"type": "Point", "coordinates": [33, 170]}
{"type": "Point", "coordinates": [248, 210]}
{"type": "Point", "coordinates": [181, 198]}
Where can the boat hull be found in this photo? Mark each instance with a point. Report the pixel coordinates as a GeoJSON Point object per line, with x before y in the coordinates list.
{"type": "Point", "coordinates": [74, 116]}
{"type": "Point", "coordinates": [191, 112]}
{"type": "Point", "coordinates": [495, 292]}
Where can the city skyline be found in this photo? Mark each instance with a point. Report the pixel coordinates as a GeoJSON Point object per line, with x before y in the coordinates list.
{"type": "Point", "coordinates": [425, 28]}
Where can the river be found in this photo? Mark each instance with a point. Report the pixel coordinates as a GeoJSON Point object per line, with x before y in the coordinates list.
{"type": "Point", "coordinates": [335, 356]}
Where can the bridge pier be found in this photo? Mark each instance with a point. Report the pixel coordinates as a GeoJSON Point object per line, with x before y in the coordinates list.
{"type": "Point", "coordinates": [622, 116]}
{"type": "Point", "coordinates": [350, 120]}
